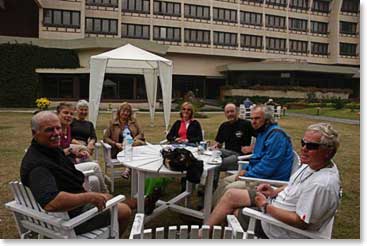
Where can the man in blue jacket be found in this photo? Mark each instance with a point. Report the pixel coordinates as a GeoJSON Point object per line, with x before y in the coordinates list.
{"type": "Point", "coordinates": [272, 155]}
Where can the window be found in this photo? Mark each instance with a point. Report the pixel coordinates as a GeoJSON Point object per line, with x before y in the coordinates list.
{"type": "Point", "coordinates": [275, 44]}
{"type": "Point", "coordinates": [101, 26]}
{"type": "Point", "coordinates": [282, 3]}
{"type": "Point", "coordinates": [167, 8]}
{"type": "Point", "coordinates": [225, 38]}
{"type": "Point", "coordinates": [320, 6]}
{"type": "Point", "coordinates": [252, 1]}
{"type": "Point", "coordinates": [298, 46]}
{"type": "Point", "coordinates": [251, 41]}
{"type": "Point", "coordinates": [275, 21]}
{"type": "Point", "coordinates": [135, 31]}
{"type": "Point", "coordinates": [319, 27]}
{"type": "Point", "coordinates": [348, 27]}
{"type": "Point", "coordinates": [167, 33]}
{"type": "Point", "coordinates": [197, 36]}
{"type": "Point", "coordinates": [197, 11]}
{"type": "Point", "coordinates": [108, 3]}
{"type": "Point", "coordinates": [319, 48]}
{"type": "Point", "coordinates": [136, 6]}
{"type": "Point", "coordinates": [351, 6]}
{"type": "Point", "coordinates": [298, 24]}
{"type": "Point", "coordinates": [251, 18]}
{"type": "Point", "coordinates": [347, 49]}
{"type": "Point", "coordinates": [64, 18]}
{"type": "Point", "coordinates": [226, 15]}
{"type": "Point", "coordinates": [298, 4]}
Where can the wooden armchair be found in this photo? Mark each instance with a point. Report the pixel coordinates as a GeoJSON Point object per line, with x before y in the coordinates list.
{"type": "Point", "coordinates": [30, 217]}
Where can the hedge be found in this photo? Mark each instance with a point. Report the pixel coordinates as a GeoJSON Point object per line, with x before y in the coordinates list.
{"type": "Point", "coordinates": [19, 83]}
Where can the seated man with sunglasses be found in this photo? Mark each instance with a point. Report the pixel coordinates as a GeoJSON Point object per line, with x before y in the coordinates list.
{"type": "Point", "coordinates": [310, 199]}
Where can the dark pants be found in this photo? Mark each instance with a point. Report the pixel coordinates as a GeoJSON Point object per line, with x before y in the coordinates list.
{"type": "Point", "coordinates": [99, 221]}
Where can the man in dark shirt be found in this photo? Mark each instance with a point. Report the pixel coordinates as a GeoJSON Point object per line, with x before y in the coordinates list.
{"type": "Point", "coordinates": [236, 135]}
{"type": "Point", "coordinates": [55, 183]}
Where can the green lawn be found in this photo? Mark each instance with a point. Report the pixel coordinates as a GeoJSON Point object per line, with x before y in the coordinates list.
{"type": "Point", "coordinates": [331, 112]}
{"type": "Point", "coordinates": [16, 136]}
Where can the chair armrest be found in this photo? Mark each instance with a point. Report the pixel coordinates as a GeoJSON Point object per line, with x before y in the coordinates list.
{"type": "Point", "coordinates": [41, 216]}
{"type": "Point", "coordinates": [269, 181]}
{"type": "Point", "coordinates": [81, 218]}
{"type": "Point", "coordinates": [244, 157]}
{"type": "Point", "coordinates": [88, 173]}
{"type": "Point", "coordinates": [163, 141]}
{"type": "Point", "coordinates": [268, 219]}
{"type": "Point", "coordinates": [98, 145]}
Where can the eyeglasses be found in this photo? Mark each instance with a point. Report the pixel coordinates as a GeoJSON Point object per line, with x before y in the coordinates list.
{"type": "Point", "coordinates": [186, 109]}
{"type": "Point", "coordinates": [310, 145]}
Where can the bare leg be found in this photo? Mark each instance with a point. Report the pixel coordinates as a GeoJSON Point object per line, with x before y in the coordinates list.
{"type": "Point", "coordinates": [124, 214]}
{"type": "Point", "coordinates": [231, 200]}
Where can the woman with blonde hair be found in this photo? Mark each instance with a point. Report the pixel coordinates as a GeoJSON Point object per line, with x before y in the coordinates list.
{"type": "Point", "coordinates": [187, 129]}
{"type": "Point", "coordinates": [114, 134]}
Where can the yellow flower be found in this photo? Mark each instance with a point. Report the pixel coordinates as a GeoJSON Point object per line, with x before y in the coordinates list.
{"type": "Point", "coordinates": [43, 103]}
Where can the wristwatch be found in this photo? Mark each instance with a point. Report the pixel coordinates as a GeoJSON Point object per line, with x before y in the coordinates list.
{"type": "Point", "coordinates": [264, 208]}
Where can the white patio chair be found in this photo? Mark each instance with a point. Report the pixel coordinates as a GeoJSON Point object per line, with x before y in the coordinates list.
{"type": "Point", "coordinates": [232, 231]}
{"type": "Point", "coordinates": [30, 217]}
{"type": "Point", "coordinates": [257, 215]}
{"type": "Point", "coordinates": [277, 112]}
{"type": "Point", "coordinates": [111, 165]}
{"type": "Point", "coordinates": [296, 164]}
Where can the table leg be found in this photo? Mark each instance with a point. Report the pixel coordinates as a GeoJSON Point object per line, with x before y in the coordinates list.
{"type": "Point", "coordinates": [208, 195]}
{"type": "Point", "coordinates": [140, 198]}
{"type": "Point", "coordinates": [134, 183]}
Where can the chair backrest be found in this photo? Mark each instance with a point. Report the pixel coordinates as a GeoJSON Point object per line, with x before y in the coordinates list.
{"type": "Point", "coordinates": [25, 201]}
{"type": "Point", "coordinates": [232, 231]}
{"type": "Point", "coordinates": [296, 162]}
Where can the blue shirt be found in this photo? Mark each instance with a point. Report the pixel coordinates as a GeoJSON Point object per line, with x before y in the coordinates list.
{"type": "Point", "coordinates": [272, 156]}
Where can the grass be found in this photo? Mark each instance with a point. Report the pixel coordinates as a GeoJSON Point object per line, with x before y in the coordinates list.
{"type": "Point", "coordinates": [16, 135]}
{"type": "Point", "coordinates": [330, 112]}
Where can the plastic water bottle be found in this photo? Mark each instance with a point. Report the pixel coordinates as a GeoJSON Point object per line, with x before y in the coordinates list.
{"type": "Point", "coordinates": [128, 146]}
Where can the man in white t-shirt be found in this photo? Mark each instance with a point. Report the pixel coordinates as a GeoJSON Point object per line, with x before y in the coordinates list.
{"type": "Point", "coordinates": [310, 199]}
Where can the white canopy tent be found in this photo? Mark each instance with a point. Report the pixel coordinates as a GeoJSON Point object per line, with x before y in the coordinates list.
{"type": "Point", "coordinates": [129, 59]}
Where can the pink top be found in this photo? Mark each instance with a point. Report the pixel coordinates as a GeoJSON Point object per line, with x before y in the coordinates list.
{"type": "Point", "coordinates": [65, 140]}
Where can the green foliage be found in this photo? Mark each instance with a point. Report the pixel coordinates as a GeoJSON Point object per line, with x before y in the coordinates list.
{"type": "Point", "coordinates": [352, 106]}
{"type": "Point", "coordinates": [19, 83]}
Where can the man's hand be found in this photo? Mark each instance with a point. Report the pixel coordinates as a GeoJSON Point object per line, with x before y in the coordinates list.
{"type": "Point", "coordinates": [265, 189]}
{"type": "Point", "coordinates": [240, 173]}
{"type": "Point", "coordinates": [246, 149]}
{"type": "Point", "coordinates": [260, 200]}
{"type": "Point", "coordinates": [97, 199]}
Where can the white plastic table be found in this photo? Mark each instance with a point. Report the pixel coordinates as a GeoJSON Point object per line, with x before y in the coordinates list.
{"type": "Point", "coordinates": [147, 162]}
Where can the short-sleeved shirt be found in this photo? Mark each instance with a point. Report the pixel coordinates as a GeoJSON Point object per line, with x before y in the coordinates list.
{"type": "Point", "coordinates": [313, 195]}
{"type": "Point", "coordinates": [235, 134]}
{"type": "Point", "coordinates": [47, 172]}
{"type": "Point", "coordinates": [82, 130]}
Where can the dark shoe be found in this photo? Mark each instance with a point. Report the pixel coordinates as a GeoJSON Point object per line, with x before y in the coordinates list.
{"type": "Point", "coordinates": [151, 199]}
{"type": "Point", "coordinates": [126, 173]}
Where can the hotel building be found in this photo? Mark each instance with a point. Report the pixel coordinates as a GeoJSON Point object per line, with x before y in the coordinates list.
{"type": "Point", "coordinates": [213, 43]}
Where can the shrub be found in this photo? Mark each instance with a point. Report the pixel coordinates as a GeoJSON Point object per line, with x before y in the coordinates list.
{"type": "Point", "coordinates": [17, 71]}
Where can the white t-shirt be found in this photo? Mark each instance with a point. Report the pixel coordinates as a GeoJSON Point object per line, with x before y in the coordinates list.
{"type": "Point", "coordinates": [313, 195]}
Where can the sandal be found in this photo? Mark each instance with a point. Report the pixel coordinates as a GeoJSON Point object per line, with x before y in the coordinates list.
{"type": "Point", "coordinates": [126, 173]}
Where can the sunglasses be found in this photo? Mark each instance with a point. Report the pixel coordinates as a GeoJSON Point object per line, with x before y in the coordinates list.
{"type": "Point", "coordinates": [310, 145]}
{"type": "Point", "coordinates": [186, 109]}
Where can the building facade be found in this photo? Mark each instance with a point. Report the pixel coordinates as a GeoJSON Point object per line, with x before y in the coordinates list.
{"type": "Point", "coordinates": [212, 43]}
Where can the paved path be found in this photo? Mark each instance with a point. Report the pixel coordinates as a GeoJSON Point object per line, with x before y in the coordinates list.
{"type": "Point", "coordinates": [333, 119]}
